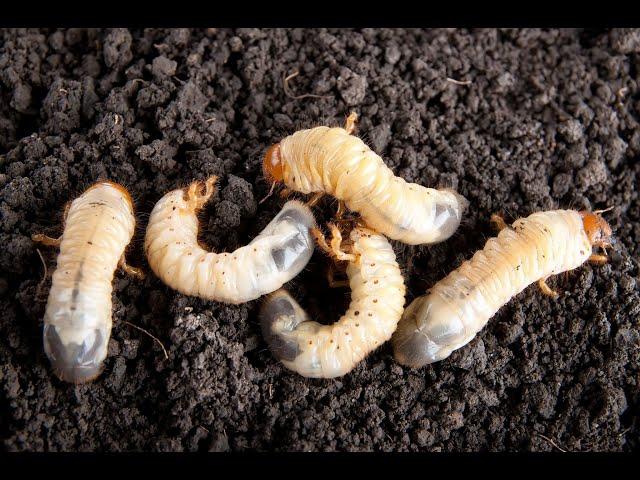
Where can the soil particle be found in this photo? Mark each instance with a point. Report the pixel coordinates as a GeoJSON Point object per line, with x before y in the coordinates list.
{"type": "Point", "coordinates": [533, 119]}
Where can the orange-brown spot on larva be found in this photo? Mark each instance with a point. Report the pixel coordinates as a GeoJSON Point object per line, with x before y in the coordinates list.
{"type": "Point", "coordinates": [272, 164]}
{"type": "Point", "coordinates": [125, 193]}
{"type": "Point", "coordinates": [596, 227]}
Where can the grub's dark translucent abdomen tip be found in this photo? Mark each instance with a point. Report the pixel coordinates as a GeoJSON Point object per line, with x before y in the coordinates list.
{"type": "Point", "coordinates": [275, 307]}
{"type": "Point", "coordinates": [72, 362]}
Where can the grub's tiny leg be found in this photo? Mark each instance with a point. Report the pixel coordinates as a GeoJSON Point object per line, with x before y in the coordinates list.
{"type": "Point", "coordinates": [46, 240]}
{"type": "Point", "coordinates": [196, 197]}
{"type": "Point", "coordinates": [331, 278]}
{"type": "Point", "coordinates": [315, 199]}
{"type": "Point", "coordinates": [336, 240]}
{"type": "Point", "coordinates": [598, 259]}
{"type": "Point", "coordinates": [350, 124]}
{"type": "Point", "coordinates": [321, 240]}
{"type": "Point", "coordinates": [498, 222]}
{"type": "Point", "coordinates": [285, 192]}
{"type": "Point", "coordinates": [336, 245]}
{"type": "Point", "coordinates": [546, 289]}
{"type": "Point", "coordinates": [67, 206]}
{"type": "Point", "coordinates": [133, 271]}
{"type": "Point", "coordinates": [341, 209]}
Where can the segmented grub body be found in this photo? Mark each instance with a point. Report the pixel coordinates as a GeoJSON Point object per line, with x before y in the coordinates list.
{"type": "Point", "coordinates": [332, 161]}
{"type": "Point", "coordinates": [77, 322]}
{"type": "Point", "coordinates": [377, 298]}
{"type": "Point", "coordinates": [271, 259]}
{"type": "Point", "coordinates": [459, 306]}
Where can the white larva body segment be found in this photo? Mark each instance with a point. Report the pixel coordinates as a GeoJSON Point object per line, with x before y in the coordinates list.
{"type": "Point", "coordinates": [77, 322]}
{"type": "Point", "coordinates": [326, 351]}
{"type": "Point", "coordinates": [330, 160]}
{"type": "Point", "coordinates": [273, 258]}
{"type": "Point", "coordinates": [460, 305]}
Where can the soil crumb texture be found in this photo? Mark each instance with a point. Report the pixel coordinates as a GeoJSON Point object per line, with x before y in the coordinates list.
{"type": "Point", "coordinates": [516, 120]}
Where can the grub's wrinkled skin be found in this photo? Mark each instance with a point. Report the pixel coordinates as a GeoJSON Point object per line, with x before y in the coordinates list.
{"type": "Point", "coordinates": [460, 305]}
{"type": "Point", "coordinates": [77, 322]}
{"type": "Point", "coordinates": [273, 258]}
{"type": "Point", "coordinates": [333, 161]}
{"type": "Point", "coordinates": [377, 297]}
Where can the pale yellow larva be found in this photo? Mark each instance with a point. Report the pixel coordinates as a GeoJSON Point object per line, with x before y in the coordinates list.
{"type": "Point", "coordinates": [326, 351]}
{"type": "Point", "coordinates": [333, 161]}
{"type": "Point", "coordinates": [77, 322]}
{"type": "Point", "coordinates": [460, 305]}
{"type": "Point", "coordinates": [273, 258]}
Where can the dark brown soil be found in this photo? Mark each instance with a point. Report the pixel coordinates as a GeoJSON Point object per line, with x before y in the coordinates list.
{"type": "Point", "coordinates": [547, 119]}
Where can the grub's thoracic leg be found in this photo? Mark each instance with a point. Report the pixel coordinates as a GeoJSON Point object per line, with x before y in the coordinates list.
{"type": "Point", "coordinates": [315, 198]}
{"type": "Point", "coordinates": [350, 124]}
{"type": "Point", "coordinates": [341, 209]}
{"type": "Point", "coordinates": [546, 289]}
{"type": "Point", "coordinates": [46, 240]}
{"type": "Point", "coordinates": [331, 278]}
{"type": "Point", "coordinates": [334, 250]}
{"type": "Point", "coordinates": [67, 206]}
{"type": "Point", "coordinates": [196, 197]}
{"type": "Point", "coordinates": [285, 192]}
{"type": "Point", "coordinates": [598, 259]}
{"type": "Point", "coordinates": [498, 222]}
{"type": "Point", "coordinates": [133, 271]}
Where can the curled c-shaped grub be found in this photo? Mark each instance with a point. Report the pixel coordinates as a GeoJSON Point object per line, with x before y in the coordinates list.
{"type": "Point", "coordinates": [377, 297]}
{"type": "Point", "coordinates": [271, 259]}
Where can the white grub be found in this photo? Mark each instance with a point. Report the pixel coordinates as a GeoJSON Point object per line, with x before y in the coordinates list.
{"type": "Point", "coordinates": [377, 297]}
{"type": "Point", "coordinates": [451, 314]}
{"type": "Point", "coordinates": [77, 322]}
{"type": "Point", "coordinates": [273, 258]}
{"type": "Point", "coordinates": [332, 161]}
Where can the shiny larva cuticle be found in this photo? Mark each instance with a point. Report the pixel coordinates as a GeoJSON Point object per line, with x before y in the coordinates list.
{"type": "Point", "coordinates": [327, 351]}
{"type": "Point", "coordinates": [274, 257]}
{"type": "Point", "coordinates": [77, 322]}
{"type": "Point", "coordinates": [460, 305]}
{"type": "Point", "coordinates": [333, 161]}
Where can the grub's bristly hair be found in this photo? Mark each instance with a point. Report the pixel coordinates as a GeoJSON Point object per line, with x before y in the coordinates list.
{"type": "Point", "coordinates": [460, 305]}
{"type": "Point", "coordinates": [77, 322]}
{"type": "Point", "coordinates": [273, 258]}
{"type": "Point", "coordinates": [377, 297]}
{"type": "Point", "coordinates": [333, 161]}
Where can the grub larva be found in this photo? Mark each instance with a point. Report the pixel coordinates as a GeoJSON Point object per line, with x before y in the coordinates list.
{"type": "Point", "coordinates": [460, 305]}
{"type": "Point", "coordinates": [273, 258]}
{"type": "Point", "coordinates": [77, 322]}
{"type": "Point", "coordinates": [333, 161]}
{"type": "Point", "coordinates": [377, 298]}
